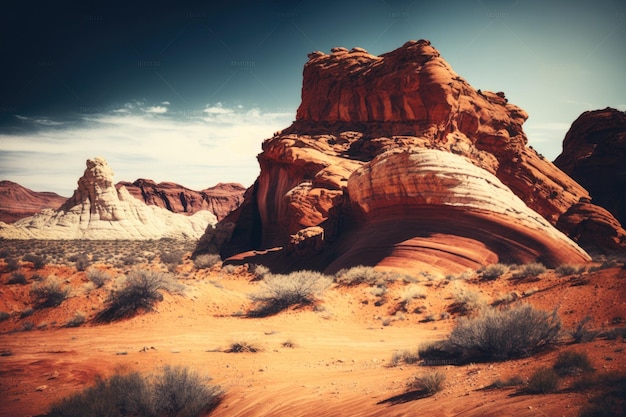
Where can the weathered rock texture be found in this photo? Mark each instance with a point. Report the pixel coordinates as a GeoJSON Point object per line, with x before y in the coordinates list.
{"type": "Point", "coordinates": [17, 202]}
{"type": "Point", "coordinates": [594, 154]}
{"type": "Point", "coordinates": [220, 199]}
{"type": "Point", "coordinates": [97, 210]}
{"type": "Point", "coordinates": [396, 160]}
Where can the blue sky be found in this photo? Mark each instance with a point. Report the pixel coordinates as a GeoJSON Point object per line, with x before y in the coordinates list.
{"type": "Point", "coordinates": [188, 92]}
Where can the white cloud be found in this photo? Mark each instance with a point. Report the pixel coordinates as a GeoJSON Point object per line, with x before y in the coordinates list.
{"type": "Point", "coordinates": [156, 109]}
{"type": "Point", "coordinates": [196, 149]}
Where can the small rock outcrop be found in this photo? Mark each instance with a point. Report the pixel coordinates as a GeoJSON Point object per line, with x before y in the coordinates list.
{"type": "Point", "coordinates": [97, 210]}
{"type": "Point", "coordinates": [219, 200]}
{"type": "Point", "coordinates": [594, 154]}
{"type": "Point", "coordinates": [395, 160]}
{"type": "Point", "coordinates": [17, 202]}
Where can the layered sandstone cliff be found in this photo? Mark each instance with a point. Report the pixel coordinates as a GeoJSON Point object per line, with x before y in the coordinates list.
{"type": "Point", "coordinates": [396, 160]}
{"type": "Point", "coordinates": [219, 200]}
{"type": "Point", "coordinates": [97, 210]}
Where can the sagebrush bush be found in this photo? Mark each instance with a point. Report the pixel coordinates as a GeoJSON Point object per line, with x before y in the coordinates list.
{"type": "Point", "coordinates": [206, 261]}
{"type": "Point", "coordinates": [172, 257]}
{"type": "Point", "coordinates": [76, 321]}
{"type": "Point", "coordinates": [359, 275]}
{"type": "Point", "coordinates": [12, 263]}
{"type": "Point", "coordinates": [493, 271]}
{"type": "Point", "coordinates": [81, 262]}
{"type": "Point", "coordinates": [530, 270]}
{"type": "Point", "coordinates": [283, 291]}
{"type": "Point", "coordinates": [543, 381]}
{"type": "Point", "coordinates": [430, 383]}
{"type": "Point", "coordinates": [466, 300]}
{"type": "Point", "coordinates": [505, 334]}
{"type": "Point", "coordinates": [571, 363]}
{"type": "Point", "coordinates": [141, 290]}
{"type": "Point", "coordinates": [98, 277]}
{"type": "Point", "coordinates": [583, 332]}
{"type": "Point", "coordinates": [408, 357]}
{"type": "Point", "coordinates": [17, 277]}
{"type": "Point", "coordinates": [176, 392]}
{"type": "Point", "coordinates": [242, 346]}
{"type": "Point", "coordinates": [4, 316]}
{"type": "Point", "coordinates": [259, 271]}
{"type": "Point", "coordinates": [38, 261]}
{"type": "Point", "coordinates": [569, 269]}
{"type": "Point", "coordinates": [49, 293]}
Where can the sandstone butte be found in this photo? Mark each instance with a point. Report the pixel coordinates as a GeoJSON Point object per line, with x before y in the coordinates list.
{"type": "Point", "coordinates": [17, 202]}
{"type": "Point", "coordinates": [220, 199]}
{"type": "Point", "coordinates": [594, 154]}
{"type": "Point", "coordinates": [97, 210]}
{"type": "Point", "coordinates": [395, 160]}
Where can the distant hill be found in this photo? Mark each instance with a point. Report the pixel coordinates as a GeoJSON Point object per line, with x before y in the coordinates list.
{"type": "Point", "coordinates": [17, 202]}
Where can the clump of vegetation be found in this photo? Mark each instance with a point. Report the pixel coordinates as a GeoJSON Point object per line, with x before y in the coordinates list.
{"type": "Point", "coordinates": [507, 298]}
{"type": "Point", "coordinates": [4, 316]}
{"type": "Point", "coordinates": [81, 261]}
{"type": "Point", "coordinates": [49, 293]}
{"type": "Point", "coordinates": [493, 271]}
{"type": "Point", "coordinates": [243, 346]}
{"type": "Point", "coordinates": [611, 399]}
{"type": "Point", "coordinates": [280, 292]}
{"type": "Point", "coordinates": [406, 356]}
{"type": "Point", "coordinates": [38, 261]}
{"type": "Point", "coordinates": [76, 321]}
{"type": "Point", "coordinates": [98, 277]}
{"type": "Point", "coordinates": [543, 381]}
{"type": "Point", "coordinates": [583, 333]}
{"type": "Point", "coordinates": [530, 270]}
{"type": "Point", "coordinates": [572, 363]}
{"type": "Point", "coordinates": [466, 300]}
{"type": "Point", "coordinates": [514, 381]}
{"type": "Point", "coordinates": [172, 259]}
{"type": "Point", "coordinates": [359, 275]}
{"type": "Point", "coordinates": [569, 269]}
{"type": "Point", "coordinates": [429, 384]}
{"type": "Point", "coordinates": [206, 260]}
{"type": "Point", "coordinates": [176, 392]}
{"type": "Point", "coordinates": [12, 263]}
{"type": "Point", "coordinates": [504, 334]}
{"type": "Point", "coordinates": [17, 277]}
{"type": "Point", "coordinates": [141, 291]}
{"type": "Point", "coordinates": [259, 271]}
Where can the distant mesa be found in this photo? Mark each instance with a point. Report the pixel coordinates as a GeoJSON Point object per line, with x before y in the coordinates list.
{"type": "Point", "coordinates": [17, 202]}
{"type": "Point", "coordinates": [99, 210]}
{"type": "Point", "coordinates": [397, 161]}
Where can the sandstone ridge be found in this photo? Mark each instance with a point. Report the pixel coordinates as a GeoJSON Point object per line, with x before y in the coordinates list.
{"type": "Point", "coordinates": [359, 110]}
{"type": "Point", "coordinates": [17, 202]}
{"type": "Point", "coordinates": [97, 210]}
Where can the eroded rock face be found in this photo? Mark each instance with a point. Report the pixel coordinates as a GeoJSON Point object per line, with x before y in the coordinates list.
{"type": "Point", "coordinates": [17, 202]}
{"type": "Point", "coordinates": [220, 199]}
{"type": "Point", "coordinates": [97, 210]}
{"type": "Point", "coordinates": [359, 110]}
{"type": "Point", "coordinates": [594, 154]}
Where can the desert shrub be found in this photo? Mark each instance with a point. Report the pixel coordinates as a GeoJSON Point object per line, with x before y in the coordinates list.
{"type": "Point", "coordinates": [430, 383]}
{"type": "Point", "coordinates": [12, 263]}
{"type": "Point", "coordinates": [611, 399]}
{"type": "Point", "coordinates": [530, 270]}
{"type": "Point", "coordinates": [17, 278]}
{"type": "Point", "coordinates": [180, 392]}
{"type": "Point", "coordinates": [27, 326]}
{"type": "Point", "coordinates": [288, 344]}
{"type": "Point", "coordinates": [514, 381]}
{"type": "Point", "coordinates": [466, 300]}
{"type": "Point", "coordinates": [206, 261]}
{"type": "Point", "coordinates": [582, 333]}
{"type": "Point", "coordinates": [76, 321]}
{"type": "Point", "coordinates": [49, 293]}
{"type": "Point", "coordinates": [172, 257]}
{"type": "Point", "coordinates": [258, 271]}
{"type": "Point", "coordinates": [571, 363]}
{"type": "Point", "coordinates": [27, 312]}
{"type": "Point", "coordinates": [242, 346]}
{"type": "Point", "coordinates": [4, 316]}
{"type": "Point", "coordinates": [98, 277]}
{"type": "Point", "coordinates": [543, 381]}
{"type": "Point", "coordinates": [507, 298]}
{"type": "Point", "coordinates": [38, 261]}
{"type": "Point", "coordinates": [359, 275]}
{"type": "Point", "coordinates": [283, 291]}
{"type": "Point", "coordinates": [569, 269]}
{"type": "Point", "coordinates": [505, 334]}
{"type": "Point", "coordinates": [405, 356]}
{"type": "Point", "coordinates": [142, 289]}
{"type": "Point", "coordinates": [493, 271]}
{"type": "Point", "coordinates": [81, 262]}
{"type": "Point", "coordinates": [412, 292]}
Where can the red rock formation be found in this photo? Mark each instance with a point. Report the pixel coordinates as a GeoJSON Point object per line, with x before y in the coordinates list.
{"type": "Point", "coordinates": [220, 199]}
{"type": "Point", "coordinates": [17, 202]}
{"type": "Point", "coordinates": [358, 108]}
{"type": "Point", "coordinates": [594, 154]}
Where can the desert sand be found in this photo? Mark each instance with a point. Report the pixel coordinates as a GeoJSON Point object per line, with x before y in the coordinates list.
{"type": "Point", "coordinates": [331, 359]}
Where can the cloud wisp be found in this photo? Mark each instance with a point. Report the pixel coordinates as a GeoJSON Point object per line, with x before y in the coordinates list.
{"type": "Point", "coordinates": [195, 148]}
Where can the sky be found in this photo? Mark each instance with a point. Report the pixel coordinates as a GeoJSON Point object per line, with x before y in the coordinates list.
{"type": "Point", "coordinates": [187, 91]}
